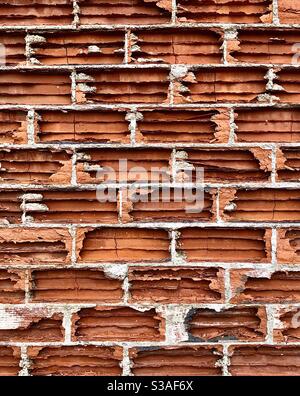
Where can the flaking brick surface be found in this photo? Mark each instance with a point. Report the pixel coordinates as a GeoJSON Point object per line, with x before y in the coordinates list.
{"type": "Point", "coordinates": [149, 187]}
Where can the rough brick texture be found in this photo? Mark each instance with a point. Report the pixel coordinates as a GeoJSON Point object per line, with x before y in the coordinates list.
{"type": "Point", "coordinates": [129, 285]}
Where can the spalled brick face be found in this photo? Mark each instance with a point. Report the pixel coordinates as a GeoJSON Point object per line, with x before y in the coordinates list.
{"type": "Point", "coordinates": [128, 285]}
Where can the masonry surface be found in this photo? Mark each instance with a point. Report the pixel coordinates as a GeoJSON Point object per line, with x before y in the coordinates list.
{"type": "Point", "coordinates": [142, 288]}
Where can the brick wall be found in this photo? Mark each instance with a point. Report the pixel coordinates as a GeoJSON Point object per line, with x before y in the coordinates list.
{"type": "Point", "coordinates": [143, 288]}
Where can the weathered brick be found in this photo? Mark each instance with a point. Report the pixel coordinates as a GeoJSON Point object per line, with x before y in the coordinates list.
{"type": "Point", "coordinates": [123, 245]}
{"type": "Point", "coordinates": [225, 11]}
{"type": "Point", "coordinates": [36, 12]}
{"type": "Point", "coordinates": [75, 360]}
{"type": "Point", "coordinates": [119, 165]}
{"type": "Point", "coordinates": [176, 46]}
{"type": "Point", "coordinates": [286, 325]}
{"type": "Point", "coordinates": [167, 285]}
{"type": "Point", "coordinates": [225, 244]}
{"type": "Point", "coordinates": [239, 323]}
{"type": "Point", "coordinates": [72, 206]}
{"type": "Point", "coordinates": [80, 48]}
{"type": "Point", "coordinates": [13, 127]}
{"type": "Point", "coordinates": [187, 126]}
{"type": "Point", "coordinates": [211, 85]}
{"type": "Point", "coordinates": [265, 46]}
{"type": "Point", "coordinates": [31, 324]}
{"type": "Point", "coordinates": [168, 204]}
{"type": "Point", "coordinates": [14, 47]}
{"type": "Point", "coordinates": [125, 12]}
{"type": "Point", "coordinates": [268, 125]}
{"type": "Point", "coordinates": [9, 361]}
{"type": "Point", "coordinates": [35, 88]}
{"type": "Point", "coordinates": [272, 205]}
{"type": "Point", "coordinates": [264, 360]}
{"type": "Point", "coordinates": [82, 126]}
{"type": "Point", "coordinates": [123, 86]}
{"type": "Point", "coordinates": [250, 286]}
{"type": "Point", "coordinates": [12, 286]}
{"type": "Point", "coordinates": [230, 165]}
{"type": "Point", "coordinates": [34, 246]}
{"type": "Point", "coordinates": [74, 285]}
{"type": "Point", "coordinates": [118, 324]}
{"type": "Point", "coordinates": [183, 361]}
{"type": "Point", "coordinates": [289, 11]}
{"type": "Point", "coordinates": [288, 164]}
{"type": "Point", "coordinates": [46, 166]}
{"type": "Point", "coordinates": [288, 246]}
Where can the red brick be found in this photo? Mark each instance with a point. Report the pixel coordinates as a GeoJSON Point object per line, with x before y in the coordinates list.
{"type": "Point", "coordinates": [264, 360]}
{"type": "Point", "coordinates": [34, 88]}
{"type": "Point", "coordinates": [123, 245]}
{"type": "Point", "coordinates": [82, 127]}
{"type": "Point", "coordinates": [12, 286]}
{"type": "Point", "coordinates": [118, 324]}
{"type": "Point", "coordinates": [105, 12]}
{"type": "Point", "coordinates": [166, 285]}
{"type": "Point", "coordinates": [182, 361]}
{"type": "Point", "coordinates": [186, 126]}
{"type": "Point", "coordinates": [31, 324]}
{"type": "Point", "coordinates": [238, 323]}
{"type": "Point", "coordinates": [225, 11]}
{"type": "Point", "coordinates": [13, 127]}
{"type": "Point", "coordinates": [124, 86]}
{"type": "Point", "coordinates": [34, 246]}
{"type": "Point", "coordinates": [46, 166]}
{"type": "Point", "coordinates": [36, 12]}
{"type": "Point", "coordinates": [222, 85]}
{"type": "Point", "coordinates": [9, 361]}
{"type": "Point", "coordinates": [176, 46]}
{"type": "Point", "coordinates": [268, 125]}
{"type": "Point", "coordinates": [80, 48]}
{"type": "Point", "coordinates": [225, 244]}
{"type": "Point", "coordinates": [75, 360]}
{"type": "Point", "coordinates": [288, 11]}
{"type": "Point", "coordinates": [74, 285]}
{"type": "Point", "coordinates": [251, 286]}
{"type": "Point", "coordinates": [259, 205]}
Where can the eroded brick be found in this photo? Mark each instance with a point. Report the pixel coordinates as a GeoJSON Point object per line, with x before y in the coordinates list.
{"type": "Point", "coordinates": [36, 12]}
{"type": "Point", "coordinates": [105, 12]}
{"type": "Point", "coordinates": [176, 46]}
{"type": "Point", "coordinates": [118, 324]}
{"type": "Point", "coordinates": [83, 126]}
{"type": "Point", "coordinates": [168, 285]}
{"type": "Point", "coordinates": [250, 286]}
{"type": "Point", "coordinates": [74, 285]}
{"type": "Point", "coordinates": [123, 86]}
{"type": "Point", "coordinates": [272, 205]}
{"type": "Point", "coordinates": [225, 244]}
{"type": "Point", "coordinates": [226, 11]}
{"type": "Point", "coordinates": [31, 87]}
{"type": "Point", "coordinates": [75, 360]}
{"type": "Point", "coordinates": [239, 323]}
{"type": "Point", "coordinates": [264, 360]}
{"type": "Point", "coordinates": [79, 48]}
{"type": "Point", "coordinates": [31, 324]}
{"type": "Point", "coordinates": [268, 125]}
{"type": "Point", "coordinates": [31, 246]}
{"type": "Point", "coordinates": [9, 361]}
{"type": "Point", "coordinates": [45, 166]}
{"type": "Point", "coordinates": [289, 11]}
{"type": "Point", "coordinates": [187, 126]}
{"type": "Point", "coordinates": [123, 245]}
{"type": "Point", "coordinates": [165, 361]}
{"type": "Point", "coordinates": [12, 286]}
